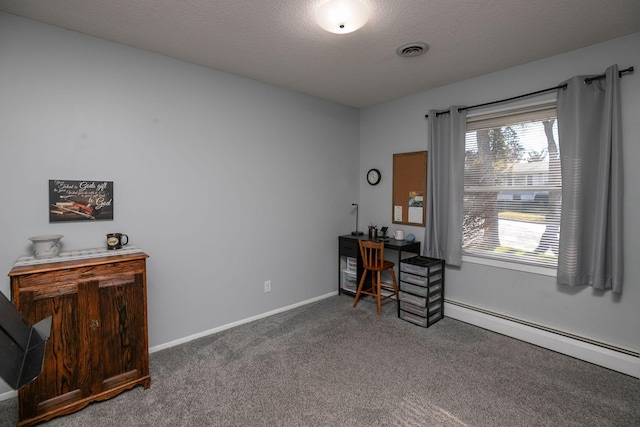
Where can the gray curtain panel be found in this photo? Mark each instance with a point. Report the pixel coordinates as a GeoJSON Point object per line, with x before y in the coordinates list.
{"type": "Point", "coordinates": [445, 185]}
{"type": "Point", "coordinates": [589, 129]}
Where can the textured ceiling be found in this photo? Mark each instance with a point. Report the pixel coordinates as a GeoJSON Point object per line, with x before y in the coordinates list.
{"type": "Point", "coordinates": [279, 42]}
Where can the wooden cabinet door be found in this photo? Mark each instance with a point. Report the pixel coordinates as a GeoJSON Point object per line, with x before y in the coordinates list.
{"type": "Point", "coordinates": [63, 378]}
{"type": "Point", "coordinates": [119, 338]}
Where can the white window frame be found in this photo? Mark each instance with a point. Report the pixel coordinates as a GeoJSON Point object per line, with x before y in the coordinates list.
{"type": "Point", "coordinates": [539, 100]}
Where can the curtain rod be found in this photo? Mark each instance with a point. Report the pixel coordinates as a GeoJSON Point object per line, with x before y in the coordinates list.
{"type": "Point", "coordinates": [587, 80]}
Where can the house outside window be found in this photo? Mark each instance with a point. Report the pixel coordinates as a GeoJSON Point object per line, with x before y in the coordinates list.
{"type": "Point", "coordinates": [513, 186]}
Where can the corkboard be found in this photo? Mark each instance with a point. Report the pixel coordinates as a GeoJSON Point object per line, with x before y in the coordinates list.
{"type": "Point", "coordinates": [409, 188]}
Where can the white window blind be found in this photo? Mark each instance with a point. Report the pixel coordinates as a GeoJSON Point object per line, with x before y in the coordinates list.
{"type": "Point", "coordinates": [512, 186]}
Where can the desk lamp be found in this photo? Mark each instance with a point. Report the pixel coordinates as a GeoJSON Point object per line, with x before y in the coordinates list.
{"type": "Point", "coordinates": [356, 233]}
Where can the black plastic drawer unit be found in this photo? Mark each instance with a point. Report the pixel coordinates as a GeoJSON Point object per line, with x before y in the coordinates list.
{"type": "Point", "coordinates": [421, 290]}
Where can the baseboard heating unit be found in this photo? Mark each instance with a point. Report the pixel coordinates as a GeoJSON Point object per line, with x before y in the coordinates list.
{"type": "Point", "coordinates": [616, 358]}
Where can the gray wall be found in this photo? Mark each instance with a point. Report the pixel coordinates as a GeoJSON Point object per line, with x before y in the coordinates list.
{"type": "Point", "coordinates": [399, 126]}
{"type": "Point", "coordinates": [225, 182]}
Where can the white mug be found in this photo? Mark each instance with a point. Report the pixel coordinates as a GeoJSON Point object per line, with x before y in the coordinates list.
{"type": "Point", "coordinates": [398, 235]}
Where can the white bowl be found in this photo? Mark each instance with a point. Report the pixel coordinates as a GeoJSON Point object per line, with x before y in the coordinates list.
{"type": "Point", "coordinates": [46, 246]}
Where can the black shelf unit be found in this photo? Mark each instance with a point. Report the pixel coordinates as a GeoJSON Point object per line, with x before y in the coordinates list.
{"type": "Point", "coordinates": [421, 290]}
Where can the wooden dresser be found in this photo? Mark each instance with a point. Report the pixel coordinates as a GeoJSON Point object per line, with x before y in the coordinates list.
{"type": "Point", "coordinates": [98, 345]}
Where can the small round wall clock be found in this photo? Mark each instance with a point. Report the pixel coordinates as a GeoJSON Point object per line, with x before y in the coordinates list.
{"type": "Point", "coordinates": [373, 176]}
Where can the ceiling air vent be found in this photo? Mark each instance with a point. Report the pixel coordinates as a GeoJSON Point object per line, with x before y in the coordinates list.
{"type": "Point", "coordinates": [412, 49]}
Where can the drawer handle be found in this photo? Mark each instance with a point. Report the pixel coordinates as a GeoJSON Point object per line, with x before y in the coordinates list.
{"type": "Point", "coordinates": [95, 324]}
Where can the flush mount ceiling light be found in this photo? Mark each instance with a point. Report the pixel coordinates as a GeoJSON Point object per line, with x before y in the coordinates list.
{"type": "Point", "coordinates": [342, 16]}
{"type": "Point", "coordinates": [412, 49]}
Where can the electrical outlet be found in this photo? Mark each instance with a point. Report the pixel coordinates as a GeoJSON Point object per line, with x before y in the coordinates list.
{"type": "Point", "coordinates": [267, 286]}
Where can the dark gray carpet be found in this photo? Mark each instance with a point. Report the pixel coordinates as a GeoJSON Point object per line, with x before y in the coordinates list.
{"type": "Point", "coordinates": [327, 364]}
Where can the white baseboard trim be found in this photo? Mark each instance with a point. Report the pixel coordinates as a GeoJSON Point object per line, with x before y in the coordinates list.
{"type": "Point", "coordinates": [8, 395]}
{"type": "Point", "coordinates": [238, 323]}
{"type": "Point", "coordinates": [611, 359]}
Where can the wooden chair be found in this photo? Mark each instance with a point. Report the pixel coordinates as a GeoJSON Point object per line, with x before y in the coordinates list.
{"type": "Point", "coordinates": [373, 259]}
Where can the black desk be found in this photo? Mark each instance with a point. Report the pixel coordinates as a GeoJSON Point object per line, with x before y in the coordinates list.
{"type": "Point", "coordinates": [349, 275]}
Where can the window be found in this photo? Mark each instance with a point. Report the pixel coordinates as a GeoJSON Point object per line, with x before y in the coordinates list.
{"type": "Point", "coordinates": [512, 186]}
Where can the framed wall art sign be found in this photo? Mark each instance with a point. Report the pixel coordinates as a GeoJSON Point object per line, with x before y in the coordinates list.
{"type": "Point", "coordinates": [87, 200]}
